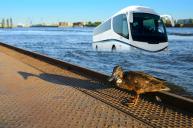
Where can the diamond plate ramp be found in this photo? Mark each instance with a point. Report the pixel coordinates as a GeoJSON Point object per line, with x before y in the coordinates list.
{"type": "Point", "coordinates": [30, 98]}
{"type": "Point", "coordinates": [147, 113]}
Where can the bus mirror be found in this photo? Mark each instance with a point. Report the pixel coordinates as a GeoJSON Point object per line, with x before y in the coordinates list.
{"type": "Point", "coordinates": [131, 17]}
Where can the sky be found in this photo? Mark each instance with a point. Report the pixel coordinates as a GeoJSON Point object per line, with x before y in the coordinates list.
{"type": "Point", "coordinates": [50, 11]}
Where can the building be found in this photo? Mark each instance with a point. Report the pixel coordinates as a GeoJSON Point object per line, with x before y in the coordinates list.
{"type": "Point", "coordinates": [78, 24]}
{"type": "Point", "coordinates": [65, 24]}
{"type": "Point", "coordinates": [184, 23]}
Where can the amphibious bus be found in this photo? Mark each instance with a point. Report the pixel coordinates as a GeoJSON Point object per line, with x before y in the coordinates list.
{"type": "Point", "coordinates": [134, 26]}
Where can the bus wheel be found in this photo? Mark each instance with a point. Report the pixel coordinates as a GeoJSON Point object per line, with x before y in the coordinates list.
{"type": "Point", "coordinates": [96, 48]}
{"type": "Point", "coordinates": [113, 48]}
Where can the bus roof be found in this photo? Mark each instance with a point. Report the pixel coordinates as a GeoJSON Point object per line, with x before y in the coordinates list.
{"type": "Point", "coordinates": [136, 9]}
{"type": "Point", "coordinates": [128, 9]}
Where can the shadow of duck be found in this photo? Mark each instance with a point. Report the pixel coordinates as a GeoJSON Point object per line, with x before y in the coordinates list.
{"type": "Point", "coordinates": [66, 80]}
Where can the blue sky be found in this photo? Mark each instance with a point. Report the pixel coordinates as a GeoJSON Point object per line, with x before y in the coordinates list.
{"type": "Point", "coordinates": [23, 11]}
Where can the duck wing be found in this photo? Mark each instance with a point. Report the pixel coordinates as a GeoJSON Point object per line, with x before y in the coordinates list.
{"type": "Point", "coordinates": [147, 83]}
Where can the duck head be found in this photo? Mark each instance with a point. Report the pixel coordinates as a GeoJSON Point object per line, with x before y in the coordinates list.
{"type": "Point", "coordinates": [117, 75]}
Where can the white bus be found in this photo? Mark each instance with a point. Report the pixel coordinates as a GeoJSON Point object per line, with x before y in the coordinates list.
{"type": "Point", "coordinates": [134, 26]}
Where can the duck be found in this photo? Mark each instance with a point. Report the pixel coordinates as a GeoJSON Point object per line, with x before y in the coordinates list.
{"type": "Point", "coordinates": [137, 81]}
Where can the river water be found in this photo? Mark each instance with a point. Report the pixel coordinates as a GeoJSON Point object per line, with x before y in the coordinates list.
{"type": "Point", "coordinates": [74, 45]}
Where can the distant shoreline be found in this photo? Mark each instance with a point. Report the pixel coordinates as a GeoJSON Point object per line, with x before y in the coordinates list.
{"type": "Point", "coordinates": [167, 26]}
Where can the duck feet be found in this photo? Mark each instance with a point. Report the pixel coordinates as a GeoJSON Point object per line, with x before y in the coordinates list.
{"type": "Point", "coordinates": [128, 101]}
{"type": "Point", "coordinates": [132, 100]}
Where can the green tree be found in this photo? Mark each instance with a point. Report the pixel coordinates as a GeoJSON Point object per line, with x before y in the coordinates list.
{"type": "Point", "coordinates": [3, 23]}
{"type": "Point", "coordinates": [11, 23]}
{"type": "Point", "coordinates": [7, 23]}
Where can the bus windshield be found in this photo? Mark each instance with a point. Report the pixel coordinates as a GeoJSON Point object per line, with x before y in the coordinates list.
{"type": "Point", "coordinates": [148, 28]}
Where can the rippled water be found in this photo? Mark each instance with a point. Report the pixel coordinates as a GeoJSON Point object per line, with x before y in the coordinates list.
{"type": "Point", "coordinates": [74, 45]}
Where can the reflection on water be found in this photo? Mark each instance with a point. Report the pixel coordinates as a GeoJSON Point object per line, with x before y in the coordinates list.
{"type": "Point", "coordinates": [75, 45]}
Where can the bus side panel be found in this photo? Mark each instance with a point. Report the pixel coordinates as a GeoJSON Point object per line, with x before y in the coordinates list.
{"type": "Point", "coordinates": [111, 45]}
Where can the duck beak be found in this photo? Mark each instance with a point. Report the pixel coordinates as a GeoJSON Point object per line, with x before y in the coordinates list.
{"type": "Point", "coordinates": [111, 78]}
{"type": "Point", "coordinates": [166, 89]}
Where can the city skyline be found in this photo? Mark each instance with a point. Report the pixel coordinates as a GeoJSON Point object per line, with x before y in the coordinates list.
{"type": "Point", "coordinates": [51, 11]}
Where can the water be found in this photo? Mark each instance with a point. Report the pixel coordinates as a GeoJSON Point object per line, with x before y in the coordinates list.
{"type": "Point", "coordinates": [74, 45]}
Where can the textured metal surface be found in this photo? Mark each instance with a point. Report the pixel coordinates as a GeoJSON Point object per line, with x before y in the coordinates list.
{"type": "Point", "coordinates": [61, 108]}
{"type": "Point", "coordinates": [148, 111]}
{"type": "Point", "coordinates": [155, 114]}
{"type": "Point", "coordinates": [31, 98]}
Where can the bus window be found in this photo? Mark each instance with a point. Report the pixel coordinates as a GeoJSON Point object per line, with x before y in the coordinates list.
{"type": "Point", "coordinates": [103, 27]}
{"type": "Point", "coordinates": [148, 28]}
{"type": "Point", "coordinates": [120, 25]}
